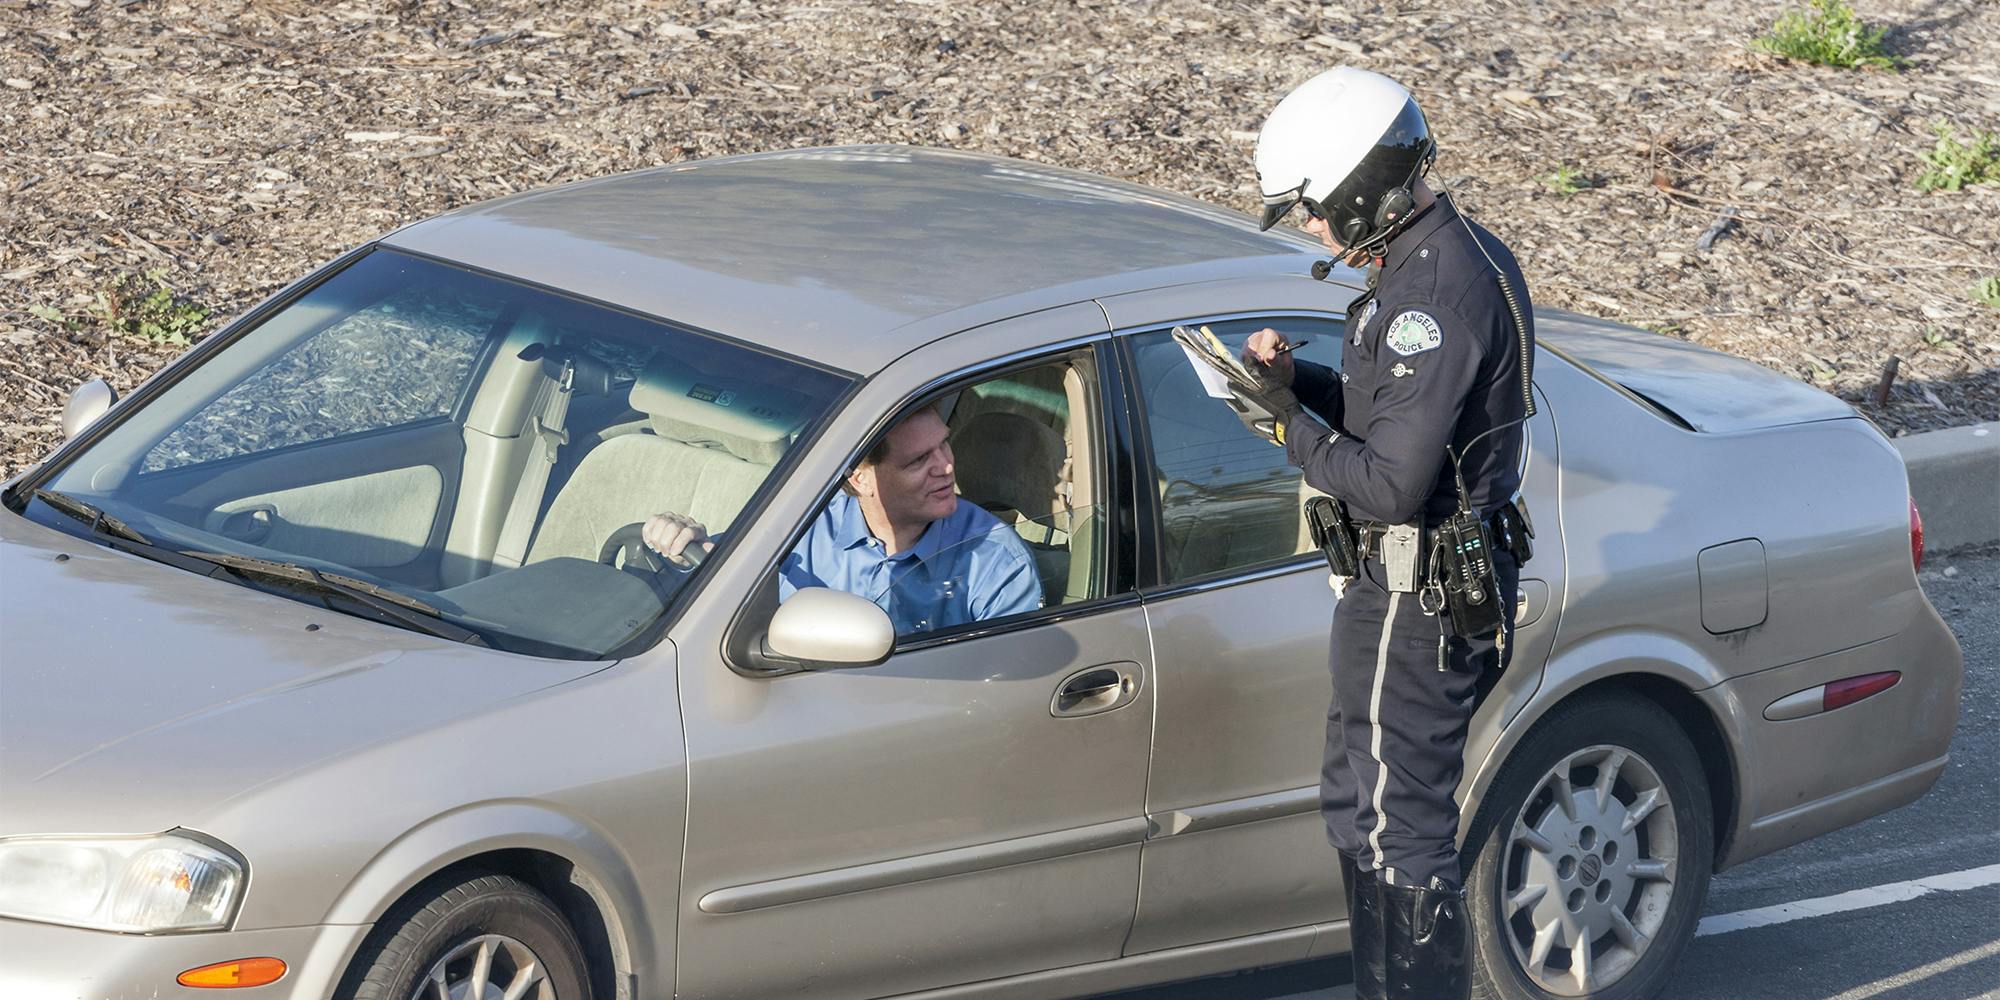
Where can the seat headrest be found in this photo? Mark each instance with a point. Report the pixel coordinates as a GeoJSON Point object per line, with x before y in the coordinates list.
{"type": "Point", "coordinates": [752, 421]}
{"type": "Point", "coordinates": [1009, 460]}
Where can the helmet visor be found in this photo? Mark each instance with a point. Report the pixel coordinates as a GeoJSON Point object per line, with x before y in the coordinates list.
{"type": "Point", "coordinates": [1276, 206]}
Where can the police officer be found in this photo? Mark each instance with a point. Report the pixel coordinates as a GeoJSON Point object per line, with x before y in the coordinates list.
{"type": "Point", "coordinates": [1432, 359]}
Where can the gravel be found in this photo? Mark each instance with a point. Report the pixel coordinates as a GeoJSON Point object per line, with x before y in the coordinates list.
{"type": "Point", "coordinates": [1731, 198]}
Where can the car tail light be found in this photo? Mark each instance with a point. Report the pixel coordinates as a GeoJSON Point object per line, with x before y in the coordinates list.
{"type": "Point", "coordinates": [1916, 536]}
{"type": "Point", "coordinates": [1840, 694]}
{"type": "Point", "coordinates": [1831, 695]}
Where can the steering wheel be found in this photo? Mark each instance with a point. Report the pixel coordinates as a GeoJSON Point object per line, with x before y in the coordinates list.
{"type": "Point", "coordinates": [629, 543]}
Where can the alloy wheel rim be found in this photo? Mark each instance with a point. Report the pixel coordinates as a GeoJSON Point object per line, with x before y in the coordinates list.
{"type": "Point", "coordinates": [487, 967]}
{"type": "Point", "coordinates": [1589, 870]}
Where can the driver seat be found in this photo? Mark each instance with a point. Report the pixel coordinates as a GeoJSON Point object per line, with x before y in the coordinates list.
{"type": "Point", "coordinates": [695, 458]}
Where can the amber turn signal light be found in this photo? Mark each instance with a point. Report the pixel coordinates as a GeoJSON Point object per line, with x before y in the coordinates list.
{"type": "Point", "coordinates": [230, 975]}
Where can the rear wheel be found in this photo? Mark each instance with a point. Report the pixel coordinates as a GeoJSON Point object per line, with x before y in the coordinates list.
{"type": "Point", "coordinates": [489, 937]}
{"type": "Point", "coordinates": [1594, 851]}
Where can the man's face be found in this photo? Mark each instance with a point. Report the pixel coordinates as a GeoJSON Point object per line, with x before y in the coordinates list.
{"type": "Point", "coordinates": [914, 481]}
{"type": "Point", "coordinates": [1319, 229]}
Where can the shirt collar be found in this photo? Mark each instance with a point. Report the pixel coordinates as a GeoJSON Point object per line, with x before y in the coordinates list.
{"type": "Point", "coordinates": [850, 526]}
{"type": "Point", "coordinates": [1426, 224]}
{"type": "Point", "coordinates": [851, 531]}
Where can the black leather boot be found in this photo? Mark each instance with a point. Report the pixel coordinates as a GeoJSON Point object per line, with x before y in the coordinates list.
{"type": "Point", "coordinates": [1365, 924]}
{"type": "Point", "coordinates": [1429, 942]}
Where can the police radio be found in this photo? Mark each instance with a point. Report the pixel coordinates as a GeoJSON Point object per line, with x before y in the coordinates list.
{"type": "Point", "coordinates": [1463, 571]}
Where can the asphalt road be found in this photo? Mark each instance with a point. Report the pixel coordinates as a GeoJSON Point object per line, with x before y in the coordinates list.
{"type": "Point", "coordinates": [1938, 945]}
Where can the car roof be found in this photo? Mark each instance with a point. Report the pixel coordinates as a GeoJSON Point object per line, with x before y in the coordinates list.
{"type": "Point", "coordinates": [851, 257]}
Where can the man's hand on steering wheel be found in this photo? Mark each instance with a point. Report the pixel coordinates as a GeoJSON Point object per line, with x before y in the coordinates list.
{"type": "Point", "coordinates": [671, 535]}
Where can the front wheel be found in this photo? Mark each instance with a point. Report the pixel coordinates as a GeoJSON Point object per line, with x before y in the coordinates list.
{"type": "Point", "coordinates": [490, 937]}
{"type": "Point", "coordinates": [1594, 851]}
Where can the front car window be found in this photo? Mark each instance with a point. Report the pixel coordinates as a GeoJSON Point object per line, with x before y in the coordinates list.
{"type": "Point", "coordinates": [1020, 528]}
{"type": "Point", "coordinates": [1229, 499]}
{"type": "Point", "coordinates": [457, 447]}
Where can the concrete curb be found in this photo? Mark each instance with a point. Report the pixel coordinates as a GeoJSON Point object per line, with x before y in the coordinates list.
{"type": "Point", "coordinates": [1955, 479]}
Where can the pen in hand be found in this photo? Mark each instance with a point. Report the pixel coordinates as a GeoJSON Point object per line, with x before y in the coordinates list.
{"type": "Point", "coordinates": [1288, 348]}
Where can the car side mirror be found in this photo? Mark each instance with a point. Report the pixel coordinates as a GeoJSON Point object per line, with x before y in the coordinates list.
{"type": "Point", "coordinates": [818, 628]}
{"type": "Point", "coordinates": [86, 403]}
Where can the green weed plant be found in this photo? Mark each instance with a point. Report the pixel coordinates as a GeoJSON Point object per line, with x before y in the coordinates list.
{"type": "Point", "coordinates": [1953, 163]}
{"type": "Point", "coordinates": [1829, 34]}
{"type": "Point", "coordinates": [1566, 181]}
{"type": "Point", "coordinates": [136, 305]}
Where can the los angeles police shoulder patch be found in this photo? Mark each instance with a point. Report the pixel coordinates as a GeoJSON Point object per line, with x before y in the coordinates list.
{"type": "Point", "coordinates": [1413, 332]}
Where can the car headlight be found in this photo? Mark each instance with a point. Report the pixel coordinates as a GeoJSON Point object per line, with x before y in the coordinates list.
{"type": "Point", "coordinates": [144, 885]}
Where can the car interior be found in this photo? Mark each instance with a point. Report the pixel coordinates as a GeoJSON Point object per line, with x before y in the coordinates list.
{"type": "Point", "coordinates": [1021, 456]}
{"type": "Point", "coordinates": [480, 455]}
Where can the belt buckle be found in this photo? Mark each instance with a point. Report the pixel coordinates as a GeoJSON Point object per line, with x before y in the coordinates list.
{"type": "Point", "coordinates": [1401, 545]}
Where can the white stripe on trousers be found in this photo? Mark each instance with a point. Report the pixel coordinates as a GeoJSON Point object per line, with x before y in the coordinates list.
{"type": "Point", "coordinates": [1375, 731]}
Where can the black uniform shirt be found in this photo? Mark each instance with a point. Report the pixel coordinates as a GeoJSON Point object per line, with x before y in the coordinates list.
{"type": "Point", "coordinates": [1429, 359]}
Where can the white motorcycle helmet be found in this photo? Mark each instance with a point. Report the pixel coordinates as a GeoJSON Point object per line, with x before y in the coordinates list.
{"type": "Point", "coordinates": [1349, 145]}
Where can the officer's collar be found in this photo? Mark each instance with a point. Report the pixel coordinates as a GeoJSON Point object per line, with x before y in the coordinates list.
{"type": "Point", "coordinates": [1419, 232]}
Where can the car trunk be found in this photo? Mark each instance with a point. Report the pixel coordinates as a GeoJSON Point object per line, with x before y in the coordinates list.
{"type": "Point", "coordinates": [1701, 389]}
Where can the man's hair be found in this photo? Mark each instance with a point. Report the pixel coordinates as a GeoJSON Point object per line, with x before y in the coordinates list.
{"type": "Point", "coordinates": [879, 451]}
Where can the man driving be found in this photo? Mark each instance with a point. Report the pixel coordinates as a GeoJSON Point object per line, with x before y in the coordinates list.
{"type": "Point", "coordinates": [897, 535]}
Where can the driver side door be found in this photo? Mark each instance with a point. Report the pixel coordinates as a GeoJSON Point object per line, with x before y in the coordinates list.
{"type": "Point", "coordinates": [971, 809]}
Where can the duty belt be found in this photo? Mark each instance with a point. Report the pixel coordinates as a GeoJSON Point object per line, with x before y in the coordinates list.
{"type": "Point", "coordinates": [1368, 534]}
{"type": "Point", "coordinates": [1508, 526]}
{"type": "Point", "coordinates": [1407, 548]}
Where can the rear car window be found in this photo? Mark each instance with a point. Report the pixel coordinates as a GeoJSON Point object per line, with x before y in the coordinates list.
{"type": "Point", "coordinates": [1228, 498]}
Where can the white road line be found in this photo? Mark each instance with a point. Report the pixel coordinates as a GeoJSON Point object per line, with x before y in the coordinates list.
{"type": "Point", "coordinates": [1921, 973]}
{"type": "Point", "coordinates": [1858, 899]}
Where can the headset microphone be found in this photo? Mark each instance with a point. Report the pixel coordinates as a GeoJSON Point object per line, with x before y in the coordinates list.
{"type": "Point", "coordinates": [1322, 268]}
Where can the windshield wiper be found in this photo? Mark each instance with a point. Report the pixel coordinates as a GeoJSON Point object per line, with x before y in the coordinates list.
{"type": "Point", "coordinates": [399, 608]}
{"type": "Point", "coordinates": [402, 608]}
{"type": "Point", "coordinates": [99, 521]}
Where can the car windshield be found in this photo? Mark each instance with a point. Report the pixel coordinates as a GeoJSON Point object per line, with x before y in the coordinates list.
{"type": "Point", "coordinates": [443, 450]}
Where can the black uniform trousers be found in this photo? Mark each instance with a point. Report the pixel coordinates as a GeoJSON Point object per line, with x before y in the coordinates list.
{"type": "Point", "coordinates": [1395, 732]}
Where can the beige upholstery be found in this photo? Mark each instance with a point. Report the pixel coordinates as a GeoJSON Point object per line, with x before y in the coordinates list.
{"type": "Point", "coordinates": [712, 443]}
{"type": "Point", "coordinates": [1013, 465]}
{"type": "Point", "coordinates": [1007, 462]}
{"type": "Point", "coordinates": [633, 477]}
{"type": "Point", "coordinates": [378, 520]}
{"type": "Point", "coordinates": [750, 420]}
{"type": "Point", "coordinates": [1082, 484]}
{"type": "Point", "coordinates": [1024, 444]}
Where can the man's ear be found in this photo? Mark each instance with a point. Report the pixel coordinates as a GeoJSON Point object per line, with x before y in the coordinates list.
{"type": "Point", "coordinates": [862, 479]}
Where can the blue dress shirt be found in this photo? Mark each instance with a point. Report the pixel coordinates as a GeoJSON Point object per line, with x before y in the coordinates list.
{"type": "Point", "coordinates": [968, 566]}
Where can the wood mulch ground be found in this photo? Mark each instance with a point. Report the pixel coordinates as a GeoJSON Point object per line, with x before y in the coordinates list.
{"type": "Point", "coordinates": [233, 144]}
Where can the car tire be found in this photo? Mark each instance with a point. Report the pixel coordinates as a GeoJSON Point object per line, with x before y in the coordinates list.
{"type": "Point", "coordinates": [1548, 873]}
{"type": "Point", "coordinates": [441, 934]}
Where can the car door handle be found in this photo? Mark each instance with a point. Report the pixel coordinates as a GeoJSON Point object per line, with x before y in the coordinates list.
{"type": "Point", "coordinates": [1096, 689]}
{"type": "Point", "coordinates": [1534, 599]}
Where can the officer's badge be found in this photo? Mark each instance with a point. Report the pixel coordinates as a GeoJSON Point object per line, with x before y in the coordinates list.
{"type": "Point", "coordinates": [1368, 313]}
{"type": "Point", "coordinates": [1413, 332]}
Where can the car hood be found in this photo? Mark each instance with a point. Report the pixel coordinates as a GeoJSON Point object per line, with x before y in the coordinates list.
{"type": "Point", "coordinates": [1709, 390]}
{"type": "Point", "coordinates": [135, 697]}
